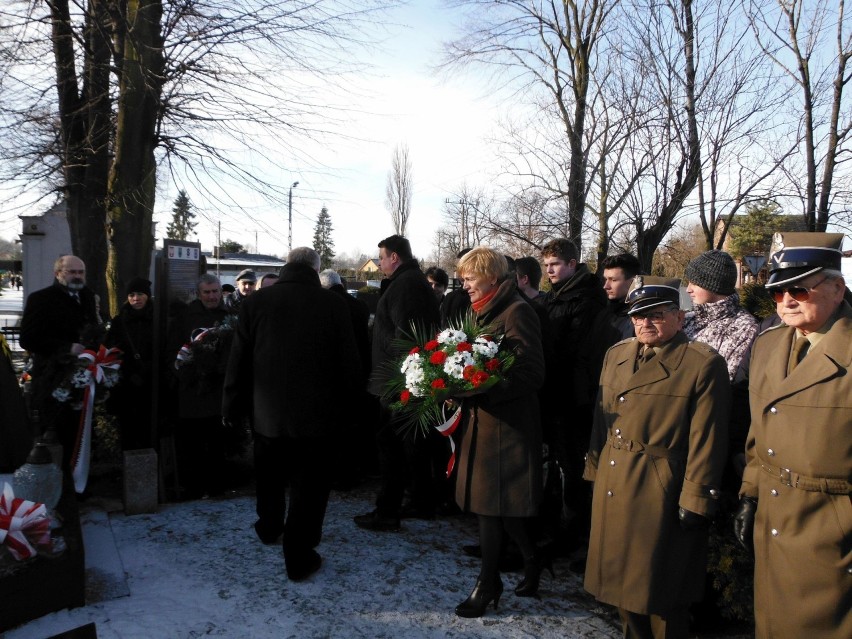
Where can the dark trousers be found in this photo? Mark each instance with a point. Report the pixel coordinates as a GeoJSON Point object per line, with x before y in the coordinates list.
{"type": "Point", "coordinates": [674, 625]}
{"type": "Point", "coordinates": [404, 460]}
{"type": "Point", "coordinates": [301, 464]}
{"type": "Point", "coordinates": [572, 433]}
{"type": "Point", "coordinates": [200, 448]}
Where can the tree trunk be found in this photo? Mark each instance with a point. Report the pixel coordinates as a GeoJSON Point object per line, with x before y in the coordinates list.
{"type": "Point", "coordinates": [132, 180]}
{"type": "Point", "coordinates": [84, 116]}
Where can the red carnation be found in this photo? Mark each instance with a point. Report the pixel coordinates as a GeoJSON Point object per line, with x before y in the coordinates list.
{"type": "Point", "coordinates": [438, 357]}
{"type": "Point", "coordinates": [492, 364]}
{"type": "Point", "coordinates": [438, 384]}
{"type": "Point", "coordinates": [463, 347]}
{"type": "Point", "coordinates": [431, 345]}
{"type": "Point", "coordinates": [414, 350]}
{"type": "Point", "coordinates": [404, 396]}
{"type": "Point", "coordinates": [479, 378]}
{"type": "Point", "coordinates": [468, 372]}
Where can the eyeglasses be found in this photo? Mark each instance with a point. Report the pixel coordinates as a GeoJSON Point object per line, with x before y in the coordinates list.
{"type": "Point", "coordinates": [798, 293]}
{"type": "Point", "coordinates": [657, 317]}
{"type": "Point", "coordinates": [73, 272]}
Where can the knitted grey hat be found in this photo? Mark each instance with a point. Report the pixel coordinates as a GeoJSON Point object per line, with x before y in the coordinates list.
{"type": "Point", "coordinates": [713, 270]}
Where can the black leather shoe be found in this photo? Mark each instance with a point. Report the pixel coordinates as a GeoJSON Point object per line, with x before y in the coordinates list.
{"type": "Point", "coordinates": [267, 534]}
{"type": "Point", "coordinates": [528, 586]}
{"type": "Point", "coordinates": [299, 570]}
{"type": "Point", "coordinates": [482, 595]}
{"type": "Point", "coordinates": [376, 521]}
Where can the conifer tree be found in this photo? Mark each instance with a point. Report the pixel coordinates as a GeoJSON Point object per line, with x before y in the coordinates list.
{"type": "Point", "coordinates": [323, 244]}
{"type": "Point", "coordinates": [182, 225]}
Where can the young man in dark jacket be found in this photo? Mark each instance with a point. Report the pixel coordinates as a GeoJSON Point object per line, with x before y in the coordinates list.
{"type": "Point", "coordinates": [406, 297]}
{"type": "Point", "coordinates": [582, 333]}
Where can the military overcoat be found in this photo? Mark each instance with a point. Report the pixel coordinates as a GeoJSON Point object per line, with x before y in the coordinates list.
{"type": "Point", "coordinates": [799, 452]}
{"type": "Point", "coordinates": [659, 441]}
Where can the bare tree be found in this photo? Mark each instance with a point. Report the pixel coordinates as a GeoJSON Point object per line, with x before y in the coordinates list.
{"type": "Point", "coordinates": [811, 43]}
{"type": "Point", "coordinates": [400, 188]}
{"type": "Point", "coordinates": [466, 218]}
{"type": "Point", "coordinates": [201, 90]}
{"type": "Point", "coordinates": [548, 50]}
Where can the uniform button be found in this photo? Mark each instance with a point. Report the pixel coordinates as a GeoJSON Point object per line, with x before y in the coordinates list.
{"type": "Point", "coordinates": [612, 462]}
{"type": "Point", "coordinates": [714, 492]}
{"type": "Point", "coordinates": [774, 532]}
{"type": "Point", "coordinates": [770, 452]}
{"type": "Point", "coordinates": [618, 431]}
{"type": "Point", "coordinates": [609, 493]}
{"type": "Point", "coordinates": [773, 492]}
{"type": "Point", "coordinates": [773, 410]}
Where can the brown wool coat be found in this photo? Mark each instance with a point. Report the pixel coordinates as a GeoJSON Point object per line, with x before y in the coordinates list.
{"type": "Point", "coordinates": [499, 459]}
{"type": "Point", "coordinates": [659, 442]}
{"type": "Point", "coordinates": [803, 531]}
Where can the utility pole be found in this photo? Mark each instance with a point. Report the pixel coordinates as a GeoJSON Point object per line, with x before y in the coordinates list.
{"type": "Point", "coordinates": [290, 217]}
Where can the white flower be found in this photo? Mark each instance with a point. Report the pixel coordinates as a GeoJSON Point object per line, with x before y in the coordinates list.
{"type": "Point", "coordinates": [411, 360]}
{"type": "Point", "coordinates": [455, 364]}
{"type": "Point", "coordinates": [81, 378]}
{"type": "Point", "coordinates": [110, 377]}
{"type": "Point", "coordinates": [414, 378]}
{"type": "Point", "coordinates": [61, 394]}
{"type": "Point", "coordinates": [451, 336]}
{"type": "Point", "coordinates": [485, 347]}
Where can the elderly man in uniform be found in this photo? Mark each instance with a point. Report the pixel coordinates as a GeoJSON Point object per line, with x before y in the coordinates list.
{"type": "Point", "coordinates": [657, 453]}
{"type": "Point", "coordinates": [795, 506]}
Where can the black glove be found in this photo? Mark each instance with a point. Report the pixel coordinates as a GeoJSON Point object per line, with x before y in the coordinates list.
{"type": "Point", "coordinates": [692, 521]}
{"type": "Point", "coordinates": [744, 522]}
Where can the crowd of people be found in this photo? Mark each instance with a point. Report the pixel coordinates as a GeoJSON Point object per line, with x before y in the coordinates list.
{"type": "Point", "coordinates": [623, 428]}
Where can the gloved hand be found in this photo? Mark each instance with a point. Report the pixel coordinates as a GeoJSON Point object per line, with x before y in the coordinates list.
{"type": "Point", "coordinates": [744, 522]}
{"type": "Point", "coordinates": [692, 521]}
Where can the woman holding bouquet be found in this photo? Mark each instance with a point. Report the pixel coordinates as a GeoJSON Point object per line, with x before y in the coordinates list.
{"type": "Point", "coordinates": [499, 469]}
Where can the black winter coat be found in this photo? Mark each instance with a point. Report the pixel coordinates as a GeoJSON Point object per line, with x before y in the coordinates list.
{"type": "Point", "coordinates": [406, 297]}
{"type": "Point", "coordinates": [199, 388]}
{"type": "Point", "coordinates": [132, 331]}
{"type": "Point", "coordinates": [582, 333]}
{"type": "Point", "coordinates": [52, 321]}
{"type": "Point", "coordinates": [294, 366]}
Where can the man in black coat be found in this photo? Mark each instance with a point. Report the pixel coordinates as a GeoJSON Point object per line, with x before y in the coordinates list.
{"type": "Point", "coordinates": [355, 449]}
{"type": "Point", "coordinates": [405, 297]}
{"type": "Point", "coordinates": [582, 333]}
{"type": "Point", "coordinates": [52, 330]}
{"type": "Point", "coordinates": [199, 437]}
{"type": "Point", "coordinates": [293, 371]}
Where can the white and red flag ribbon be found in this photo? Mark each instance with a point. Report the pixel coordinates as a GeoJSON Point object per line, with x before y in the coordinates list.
{"type": "Point", "coordinates": [447, 429]}
{"type": "Point", "coordinates": [24, 525]}
{"type": "Point", "coordinates": [185, 353]}
{"type": "Point", "coordinates": [98, 361]}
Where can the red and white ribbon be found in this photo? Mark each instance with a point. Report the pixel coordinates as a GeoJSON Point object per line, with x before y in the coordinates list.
{"type": "Point", "coordinates": [185, 353]}
{"type": "Point", "coordinates": [447, 429]}
{"type": "Point", "coordinates": [98, 361]}
{"type": "Point", "coordinates": [23, 525]}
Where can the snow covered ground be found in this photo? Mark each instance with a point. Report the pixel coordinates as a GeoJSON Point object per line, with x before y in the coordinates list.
{"type": "Point", "coordinates": [196, 569]}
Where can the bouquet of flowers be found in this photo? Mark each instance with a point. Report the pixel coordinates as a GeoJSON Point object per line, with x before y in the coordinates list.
{"type": "Point", "coordinates": [205, 356]}
{"type": "Point", "coordinates": [90, 372]}
{"type": "Point", "coordinates": [457, 362]}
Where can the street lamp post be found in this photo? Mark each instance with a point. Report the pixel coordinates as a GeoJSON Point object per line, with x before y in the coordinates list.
{"type": "Point", "coordinates": [290, 217]}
